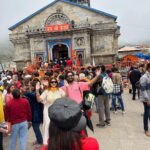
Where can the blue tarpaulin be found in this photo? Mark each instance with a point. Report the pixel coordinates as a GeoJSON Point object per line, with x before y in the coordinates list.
{"type": "Point", "coordinates": [142, 56]}
{"type": "Point", "coordinates": [147, 57]}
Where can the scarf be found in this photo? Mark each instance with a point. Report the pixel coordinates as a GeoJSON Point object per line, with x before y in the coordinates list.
{"type": "Point", "coordinates": [53, 89]}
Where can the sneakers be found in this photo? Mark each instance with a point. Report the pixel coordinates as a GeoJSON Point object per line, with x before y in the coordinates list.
{"type": "Point", "coordinates": [107, 122]}
{"type": "Point", "coordinates": [115, 112]}
{"type": "Point", "coordinates": [100, 125]}
{"type": "Point", "coordinates": [103, 125]}
{"type": "Point", "coordinates": [111, 108]}
{"type": "Point", "coordinates": [123, 112]}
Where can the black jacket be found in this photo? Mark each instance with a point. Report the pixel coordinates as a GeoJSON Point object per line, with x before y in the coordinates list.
{"type": "Point", "coordinates": [36, 107]}
{"type": "Point", "coordinates": [135, 76]}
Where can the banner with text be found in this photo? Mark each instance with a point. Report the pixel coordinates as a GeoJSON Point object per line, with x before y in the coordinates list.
{"type": "Point", "coordinates": [57, 28]}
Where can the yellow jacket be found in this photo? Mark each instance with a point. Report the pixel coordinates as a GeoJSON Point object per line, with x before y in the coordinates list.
{"type": "Point", "coordinates": [1, 108]}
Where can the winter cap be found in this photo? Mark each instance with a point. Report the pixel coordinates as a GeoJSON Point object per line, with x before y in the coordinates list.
{"type": "Point", "coordinates": [66, 114]}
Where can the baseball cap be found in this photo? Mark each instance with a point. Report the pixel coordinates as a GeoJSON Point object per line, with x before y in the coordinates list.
{"type": "Point", "coordinates": [66, 115]}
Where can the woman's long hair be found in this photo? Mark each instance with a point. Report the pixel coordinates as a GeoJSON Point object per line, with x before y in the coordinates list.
{"type": "Point", "coordinates": [63, 140]}
{"type": "Point", "coordinates": [9, 87]}
{"type": "Point", "coordinates": [52, 78]}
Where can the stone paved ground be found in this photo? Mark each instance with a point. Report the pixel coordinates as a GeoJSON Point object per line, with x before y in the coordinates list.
{"type": "Point", "coordinates": [125, 132]}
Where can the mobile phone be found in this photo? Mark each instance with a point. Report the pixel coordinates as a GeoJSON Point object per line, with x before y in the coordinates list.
{"type": "Point", "coordinates": [41, 86]}
{"type": "Point", "coordinates": [4, 126]}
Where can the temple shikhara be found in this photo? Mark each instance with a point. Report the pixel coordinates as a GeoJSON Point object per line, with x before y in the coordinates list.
{"type": "Point", "coordinates": [66, 28]}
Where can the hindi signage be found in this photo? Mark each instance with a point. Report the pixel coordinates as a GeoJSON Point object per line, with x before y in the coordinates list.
{"type": "Point", "coordinates": [57, 28]}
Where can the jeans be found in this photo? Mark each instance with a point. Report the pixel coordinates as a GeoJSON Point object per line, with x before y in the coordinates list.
{"type": "Point", "coordinates": [146, 116]}
{"type": "Point", "coordinates": [36, 128]}
{"type": "Point", "coordinates": [19, 129]}
{"type": "Point", "coordinates": [119, 97]}
{"type": "Point", "coordinates": [104, 110]}
{"type": "Point", "coordinates": [1, 141]}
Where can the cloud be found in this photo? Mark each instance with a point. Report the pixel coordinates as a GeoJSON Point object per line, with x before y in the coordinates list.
{"type": "Point", "coordinates": [133, 17]}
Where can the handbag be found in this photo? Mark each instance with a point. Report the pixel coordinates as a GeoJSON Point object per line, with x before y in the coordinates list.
{"type": "Point", "coordinates": [88, 100]}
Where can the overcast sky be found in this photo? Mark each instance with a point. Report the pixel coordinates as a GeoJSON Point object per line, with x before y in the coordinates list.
{"type": "Point", "coordinates": [133, 16]}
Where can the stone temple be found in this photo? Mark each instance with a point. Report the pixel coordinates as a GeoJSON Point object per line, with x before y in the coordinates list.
{"type": "Point", "coordinates": [66, 28]}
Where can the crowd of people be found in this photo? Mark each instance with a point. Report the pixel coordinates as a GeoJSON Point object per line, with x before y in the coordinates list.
{"type": "Point", "coordinates": [53, 96]}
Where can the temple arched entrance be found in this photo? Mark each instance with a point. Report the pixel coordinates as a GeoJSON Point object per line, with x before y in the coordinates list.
{"type": "Point", "coordinates": [60, 51]}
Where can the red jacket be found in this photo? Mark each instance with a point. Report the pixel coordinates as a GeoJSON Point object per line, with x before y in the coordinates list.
{"type": "Point", "coordinates": [17, 111]}
{"type": "Point", "coordinates": [88, 143]}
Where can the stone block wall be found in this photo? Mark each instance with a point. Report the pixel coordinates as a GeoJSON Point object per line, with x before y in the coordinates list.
{"type": "Point", "coordinates": [102, 41]}
{"type": "Point", "coordinates": [103, 60]}
{"type": "Point", "coordinates": [37, 45]}
{"type": "Point", "coordinates": [81, 42]}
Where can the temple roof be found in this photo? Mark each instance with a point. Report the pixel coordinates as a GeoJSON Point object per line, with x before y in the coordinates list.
{"type": "Point", "coordinates": [129, 48]}
{"type": "Point", "coordinates": [65, 1]}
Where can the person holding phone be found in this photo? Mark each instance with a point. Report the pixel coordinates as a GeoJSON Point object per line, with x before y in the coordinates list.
{"type": "Point", "coordinates": [47, 98]}
{"type": "Point", "coordinates": [37, 113]}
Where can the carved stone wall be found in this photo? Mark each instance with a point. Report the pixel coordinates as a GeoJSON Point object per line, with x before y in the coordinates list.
{"type": "Point", "coordinates": [103, 43]}
{"type": "Point", "coordinates": [81, 42]}
{"type": "Point", "coordinates": [37, 45]}
{"type": "Point", "coordinates": [93, 33]}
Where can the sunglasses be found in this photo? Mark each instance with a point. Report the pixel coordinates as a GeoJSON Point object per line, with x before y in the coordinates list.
{"type": "Point", "coordinates": [70, 75]}
{"type": "Point", "coordinates": [53, 81]}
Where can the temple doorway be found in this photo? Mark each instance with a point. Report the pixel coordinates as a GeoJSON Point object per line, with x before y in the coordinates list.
{"type": "Point", "coordinates": [80, 58]}
{"type": "Point", "coordinates": [60, 51]}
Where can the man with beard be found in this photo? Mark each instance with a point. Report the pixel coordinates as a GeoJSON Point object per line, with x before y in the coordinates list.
{"type": "Point", "coordinates": [74, 90]}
